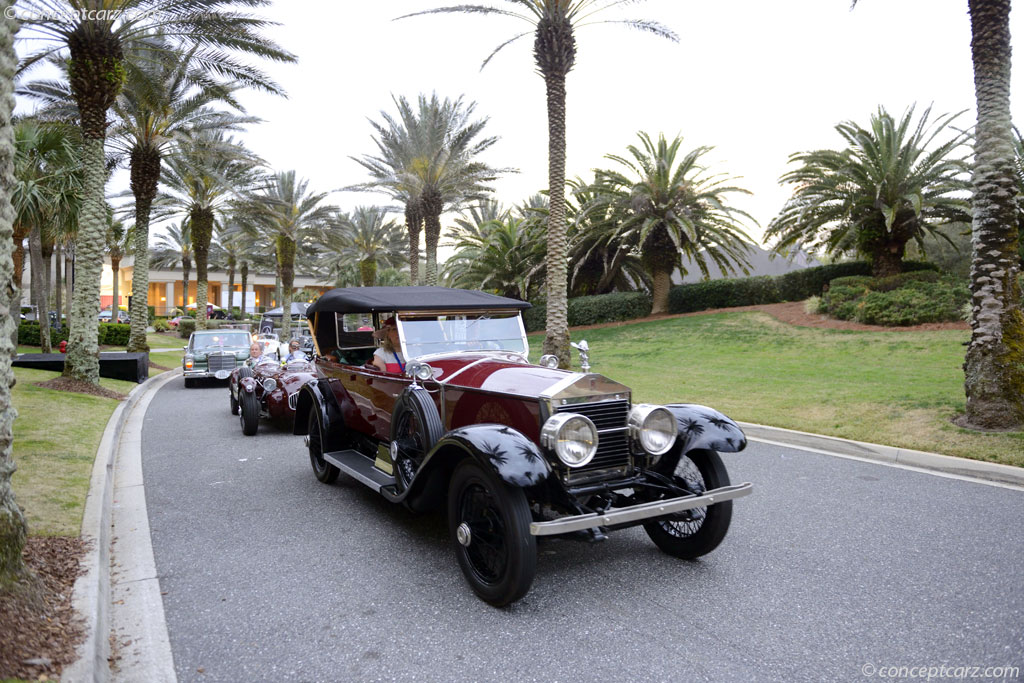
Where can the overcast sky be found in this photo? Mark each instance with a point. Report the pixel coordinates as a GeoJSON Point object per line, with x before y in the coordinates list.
{"type": "Point", "coordinates": [757, 80]}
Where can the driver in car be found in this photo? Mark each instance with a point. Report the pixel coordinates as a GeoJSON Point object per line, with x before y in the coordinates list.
{"type": "Point", "coordinates": [293, 352]}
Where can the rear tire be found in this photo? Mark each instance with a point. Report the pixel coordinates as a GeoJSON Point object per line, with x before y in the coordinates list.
{"type": "Point", "coordinates": [494, 547]}
{"type": "Point", "coordinates": [325, 472]}
{"type": "Point", "coordinates": [250, 413]}
{"type": "Point", "coordinates": [693, 533]}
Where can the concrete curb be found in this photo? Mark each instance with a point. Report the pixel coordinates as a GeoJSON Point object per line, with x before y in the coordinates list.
{"type": "Point", "coordinates": [91, 594]}
{"type": "Point", "coordinates": [889, 455]}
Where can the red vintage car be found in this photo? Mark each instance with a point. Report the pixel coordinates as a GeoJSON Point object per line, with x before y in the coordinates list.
{"type": "Point", "coordinates": [514, 450]}
{"type": "Point", "coordinates": [267, 390]}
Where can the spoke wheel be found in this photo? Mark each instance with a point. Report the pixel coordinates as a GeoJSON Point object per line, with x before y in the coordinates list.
{"type": "Point", "coordinates": [324, 471]}
{"type": "Point", "coordinates": [489, 522]}
{"type": "Point", "coordinates": [415, 428]}
{"type": "Point", "coordinates": [693, 533]}
{"type": "Point", "coordinates": [250, 413]}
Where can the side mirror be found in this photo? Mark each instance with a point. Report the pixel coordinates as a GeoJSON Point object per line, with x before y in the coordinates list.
{"type": "Point", "coordinates": [184, 348]}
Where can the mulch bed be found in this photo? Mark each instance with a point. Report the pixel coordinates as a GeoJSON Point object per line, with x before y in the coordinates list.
{"type": "Point", "coordinates": [39, 635]}
{"type": "Point", "coordinates": [157, 366]}
{"type": "Point", "coordinates": [792, 313]}
{"type": "Point", "coordinates": [80, 387]}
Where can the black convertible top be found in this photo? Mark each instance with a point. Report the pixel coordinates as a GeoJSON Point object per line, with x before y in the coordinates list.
{"type": "Point", "coordinates": [383, 299]}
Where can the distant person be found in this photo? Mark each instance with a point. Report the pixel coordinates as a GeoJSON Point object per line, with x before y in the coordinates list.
{"type": "Point", "coordinates": [293, 352]}
{"type": "Point", "coordinates": [388, 356]}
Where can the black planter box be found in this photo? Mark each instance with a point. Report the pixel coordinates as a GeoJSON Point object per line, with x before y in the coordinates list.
{"type": "Point", "coordinates": [132, 367]}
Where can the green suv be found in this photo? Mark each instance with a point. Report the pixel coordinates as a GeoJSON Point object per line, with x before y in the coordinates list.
{"type": "Point", "coordinates": [214, 353]}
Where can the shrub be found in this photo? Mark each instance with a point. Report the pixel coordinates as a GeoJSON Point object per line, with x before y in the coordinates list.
{"type": "Point", "coordinates": [905, 299]}
{"type": "Point", "coordinates": [160, 325]}
{"type": "Point", "coordinates": [114, 334]}
{"type": "Point", "coordinates": [28, 334]}
{"type": "Point", "coordinates": [150, 314]}
{"type": "Point", "coordinates": [186, 328]}
{"type": "Point", "coordinates": [592, 310]}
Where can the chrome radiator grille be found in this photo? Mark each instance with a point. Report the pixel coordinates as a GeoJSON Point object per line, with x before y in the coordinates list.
{"type": "Point", "coordinates": [612, 445]}
{"type": "Point", "coordinates": [221, 361]}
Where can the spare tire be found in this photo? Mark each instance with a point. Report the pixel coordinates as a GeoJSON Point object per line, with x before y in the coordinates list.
{"type": "Point", "coordinates": [415, 428]}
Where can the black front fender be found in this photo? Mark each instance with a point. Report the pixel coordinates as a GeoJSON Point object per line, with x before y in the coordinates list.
{"type": "Point", "coordinates": [513, 457]}
{"type": "Point", "coordinates": [701, 427]}
{"type": "Point", "coordinates": [311, 397]}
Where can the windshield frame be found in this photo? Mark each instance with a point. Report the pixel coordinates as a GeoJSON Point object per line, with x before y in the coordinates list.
{"type": "Point", "coordinates": [218, 345]}
{"type": "Point", "coordinates": [409, 316]}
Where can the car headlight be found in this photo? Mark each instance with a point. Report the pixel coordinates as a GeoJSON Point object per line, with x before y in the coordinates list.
{"type": "Point", "coordinates": [421, 371]}
{"type": "Point", "coordinates": [548, 361]}
{"type": "Point", "coordinates": [189, 362]}
{"type": "Point", "coordinates": [653, 427]}
{"type": "Point", "coordinates": [269, 384]}
{"type": "Point", "coordinates": [572, 437]}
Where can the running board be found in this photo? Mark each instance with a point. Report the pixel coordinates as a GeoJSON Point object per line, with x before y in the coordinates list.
{"type": "Point", "coordinates": [360, 468]}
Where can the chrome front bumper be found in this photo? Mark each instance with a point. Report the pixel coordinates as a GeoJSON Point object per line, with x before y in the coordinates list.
{"type": "Point", "coordinates": [635, 513]}
{"type": "Point", "coordinates": [200, 374]}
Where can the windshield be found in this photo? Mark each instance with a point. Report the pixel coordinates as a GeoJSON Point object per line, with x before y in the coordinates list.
{"type": "Point", "coordinates": [206, 341]}
{"type": "Point", "coordinates": [429, 334]}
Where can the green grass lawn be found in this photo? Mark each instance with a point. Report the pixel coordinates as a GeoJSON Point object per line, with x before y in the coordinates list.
{"type": "Point", "coordinates": [894, 388]}
{"type": "Point", "coordinates": [56, 436]}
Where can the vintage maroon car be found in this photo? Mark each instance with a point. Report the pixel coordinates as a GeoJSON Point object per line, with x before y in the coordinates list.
{"type": "Point", "coordinates": [515, 450]}
{"type": "Point", "coordinates": [268, 390]}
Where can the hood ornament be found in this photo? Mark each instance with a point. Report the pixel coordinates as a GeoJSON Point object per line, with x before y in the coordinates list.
{"type": "Point", "coordinates": [584, 350]}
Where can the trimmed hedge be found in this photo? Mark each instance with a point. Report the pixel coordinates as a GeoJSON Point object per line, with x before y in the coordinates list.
{"type": "Point", "coordinates": [591, 310]}
{"type": "Point", "coordinates": [110, 334]}
{"type": "Point", "coordinates": [770, 289]}
{"type": "Point", "coordinates": [186, 328]}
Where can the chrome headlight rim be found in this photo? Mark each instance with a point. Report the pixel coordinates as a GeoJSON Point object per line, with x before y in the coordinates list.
{"type": "Point", "coordinates": [640, 428]}
{"type": "Point", "coordinates": [419, 370]}
{"type": "Point", "coordinates": [553, 438]}
{"type": "Point", "coordinates": [549, 361]}
{"type": "Point", "coordinates": [269, 384]}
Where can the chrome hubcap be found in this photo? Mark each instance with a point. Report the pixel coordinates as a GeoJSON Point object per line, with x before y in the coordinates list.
{"type": "Point", "coordinates": [464, 535]}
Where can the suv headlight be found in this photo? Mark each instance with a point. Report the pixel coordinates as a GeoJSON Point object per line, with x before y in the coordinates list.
{"type": "Point", "coordinates": [572, 437]}
{"type": "Point", "coordinates": [652, 427]}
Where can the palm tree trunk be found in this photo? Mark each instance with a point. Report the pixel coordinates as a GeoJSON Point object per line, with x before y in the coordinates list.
{"type": "Point", "coordinates": [46, 249]}
{"type": "Point", "coordinates": [58, 285]}
{"type": "Point", "coordinates": [431, 235]}
{"type": "Point", "coordinates": [202, 233]}
{"type": "Point", "coordinates": [231, 283]}
{"type": "Point", "coordinates": [35, 251]}
{"type": "Point", "coordinates": [13, 528]}
{"type": "Point", "coordinates": [145, 176]}
{"type": "Point", "coordinates": [245, 283]}
{"type": "Point", "coordinates": [69, 281]}
{"type": "Point", "coordinates": [286, 264]}
{"type": "Point", "coordinates": [556, 340]}
{"type": "Point", "coordinates": [82, 362]}
{"type": "Point", "coordinates": [994, 364]}
{"type": "Point", "coordinates": [368, 272]}
{"type": "Point", "coordinates": [662, 283]}
{"type": "Point", "coordinates": [186, 269]}
{"type": "Point", "coordinates": [115, 308]}
{"type": "Point", "coordinates": [413, 223]}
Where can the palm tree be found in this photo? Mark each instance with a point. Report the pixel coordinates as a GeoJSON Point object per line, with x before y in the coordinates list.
{"type": "Point", "coordinates": [291, 215]}
{"type": "Point", "coordinates": [668, 207]}
{"type": "Point", "coordinates": [118, 242]}
{"type": "Point", "coordinates": [13, 528]}
{"type": "Point", "coordinates": [172, 248]}
{"type": "Point", "coordinates": [202, 178]}
{"type": "Point", "coordinates": [893, 183]}
{"type": "Point", "coordinates": [994, 364]}
{"type": "Point", "coordinates": [430, 150]}
{"type": "Point", "coordinates": [97, 35]}
{"type": "Point", "coordinates": [502, 255]}
{"type": "Point", "coordinates": [45, 196]}
{"type": "Point", "coordinates": [366, 239]}
{"type": "Point", "coordinates": [553, 24]}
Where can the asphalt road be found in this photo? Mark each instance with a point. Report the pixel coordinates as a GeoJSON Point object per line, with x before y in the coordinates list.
{"type": "Point", "coordinates": [831, 567]}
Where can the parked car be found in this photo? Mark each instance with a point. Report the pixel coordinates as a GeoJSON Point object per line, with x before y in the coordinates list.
{"type": "Point", "coordinates": [267, 390]}
{"type": "Point", "coordinates": [173, 322]}
{"type": "Point", "coordinates": [122, 317]}
{"type": "Point", "coordinates": [272, 345]}
{"type": "Point", "coordinates": [514, 450]}
{"type": "Point", "coordinates": [214, 353]}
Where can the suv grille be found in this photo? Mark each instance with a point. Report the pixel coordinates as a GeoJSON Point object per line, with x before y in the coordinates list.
{"type": "Point", "coordinates": [221, 361]}
{"type": "Point", "coordinates": [612, 446]}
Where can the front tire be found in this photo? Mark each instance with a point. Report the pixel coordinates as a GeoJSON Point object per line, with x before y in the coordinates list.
{"type": "Point", "coordinates": [489, 524]}
{"type": "Point", "coordinates": [325, 472]}
{"type": "Point", "coordinates": [190, 382]}
{"type": "Point", "coordinates": [250, 413]}
{"type": "Point", "coordinates": [415, 428]}
{"type": "Point", "coordinates": [234, 402]}
{"type": "Point", "coordinates": [693, 533]}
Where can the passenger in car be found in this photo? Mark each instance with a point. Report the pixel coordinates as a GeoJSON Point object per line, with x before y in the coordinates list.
{"type": "Point", "coordinates": [388, 357]}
